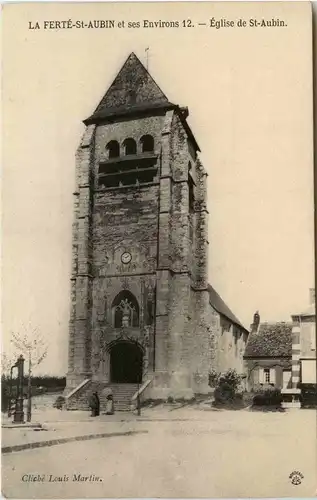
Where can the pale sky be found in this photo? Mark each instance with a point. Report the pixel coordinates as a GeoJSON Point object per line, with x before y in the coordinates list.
{"type": "Point", "coordinates": [249, 93]}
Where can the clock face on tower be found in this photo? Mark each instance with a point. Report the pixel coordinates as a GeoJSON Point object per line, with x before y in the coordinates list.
{"type": "Point", "coordinates": [126, 257]}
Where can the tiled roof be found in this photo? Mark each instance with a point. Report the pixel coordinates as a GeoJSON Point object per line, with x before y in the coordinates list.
{"type": "Point", "coordinates": [133, 88]}
{"type": "Point", "coordinates": [218, 304]}
{"type": "Point", "coordinates": [134, 91]}
{"type": "Point", "coordinates": [271, 340]}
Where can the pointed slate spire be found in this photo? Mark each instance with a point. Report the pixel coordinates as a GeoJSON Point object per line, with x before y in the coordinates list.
{"type": "Point", "coordinates": [132, 89]}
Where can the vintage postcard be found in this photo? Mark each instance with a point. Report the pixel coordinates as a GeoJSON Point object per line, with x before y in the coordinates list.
{"type": "Point", "coordinates": [158, 295]}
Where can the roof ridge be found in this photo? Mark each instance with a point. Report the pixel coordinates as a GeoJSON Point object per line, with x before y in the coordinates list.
{"type": "Point", "coordinates": [221, 307]}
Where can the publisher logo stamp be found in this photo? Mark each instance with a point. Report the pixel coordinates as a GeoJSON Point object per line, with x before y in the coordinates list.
{"type": "Point", "coordinates": [296, 477]}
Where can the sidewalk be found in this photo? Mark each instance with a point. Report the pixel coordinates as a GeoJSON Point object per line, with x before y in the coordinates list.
{"type": "Point", "coordinates": [156, 413]}
{"type": "Point", "coordinates": [54, 433]}
{"type": "Point", "coordinates": [51, 427]}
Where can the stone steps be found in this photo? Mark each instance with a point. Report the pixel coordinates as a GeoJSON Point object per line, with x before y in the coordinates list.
{"type": "Point", "coordinates": [122, 395]}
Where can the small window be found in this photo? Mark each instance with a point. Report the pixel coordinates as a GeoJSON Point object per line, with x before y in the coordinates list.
{"type": "Point", "coordinates": [147, 143]}
{"type": "Point", "coordinates": [113, 149]}
{"type": "Point", "coordinates": [267, 377]}
{"type": "Point", "coordinates": [132, 96]}
{"type": "Point", "coordinates": [129, 147]}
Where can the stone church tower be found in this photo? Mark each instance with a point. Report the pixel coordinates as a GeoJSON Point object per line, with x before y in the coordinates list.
{"type": "Point", "coordinates": [139, 292]}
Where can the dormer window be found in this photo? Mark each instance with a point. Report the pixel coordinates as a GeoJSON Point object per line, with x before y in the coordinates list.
{"type": "Point", "coordinates": [113, 149]}
{"type": "Point", "coordinates": [147, 143]}
{"type": "Point", "coordinates": [129, 146]}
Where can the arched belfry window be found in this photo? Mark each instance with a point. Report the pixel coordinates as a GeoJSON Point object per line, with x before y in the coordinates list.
{"type": "Point", "coordinates": [125, 310]}
{"type": "Point", "coordinates": [129, 146]}
{"type": "Point", "coordinates": [147, 143]}
{"type": "Point", "coordinates": [113, 149]}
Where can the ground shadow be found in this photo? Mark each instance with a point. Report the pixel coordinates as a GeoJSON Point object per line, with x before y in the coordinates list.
{"type": "Point", "coordinates": [267, 409]}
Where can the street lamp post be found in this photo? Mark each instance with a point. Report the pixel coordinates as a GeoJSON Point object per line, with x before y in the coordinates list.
{"type": "Point", "coordinates": [29, 407]}
{"type": "Point", "coordinates": [19, 413]}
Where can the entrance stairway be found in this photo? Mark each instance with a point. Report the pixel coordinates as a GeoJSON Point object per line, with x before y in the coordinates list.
{"type": "Point", "coordinates": [122, 396]}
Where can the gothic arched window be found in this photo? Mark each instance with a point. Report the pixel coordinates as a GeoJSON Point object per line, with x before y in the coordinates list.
{"type": "Point", "coordinates": [129, 146]}
{"type": "Point", "coordinates": [113, 149]}
{"type": "Point", "coordinates": [125, 310]}
{"type": "Point", "coordinates": [147, 142]}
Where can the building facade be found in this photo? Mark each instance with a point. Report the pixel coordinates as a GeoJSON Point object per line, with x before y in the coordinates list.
{"type": "Point", "coordinates": [304, 345]}
{"type": "Point", "coordinates": [140, 304]}
{"type": "Point", "coordinates": [268, 355]}
{"type": "Point", "coordinates": [230, 336]}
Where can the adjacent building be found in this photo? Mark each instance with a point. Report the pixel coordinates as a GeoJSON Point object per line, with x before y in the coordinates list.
{"type": "Point", "coordinates": [283, 355]}
{"type": "Point", "coordinates": [304, 345]}
{"type": "Point", "coordinates": [268, 355]}
{"type": "Point", "coordinates": [230, 336]}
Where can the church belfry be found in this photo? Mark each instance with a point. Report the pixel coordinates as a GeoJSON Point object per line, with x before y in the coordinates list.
{"type": "Point", "coordinates": [139, 290]}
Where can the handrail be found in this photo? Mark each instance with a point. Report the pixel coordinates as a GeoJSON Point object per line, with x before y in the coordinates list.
{"type": "Point", "coordinates": [141, 389]}
{"type": "Point", "coordinates": [80, 386]}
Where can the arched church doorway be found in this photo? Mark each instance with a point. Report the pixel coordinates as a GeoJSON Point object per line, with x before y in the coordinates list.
{"type": "Point", "coordinates": [126, 359]}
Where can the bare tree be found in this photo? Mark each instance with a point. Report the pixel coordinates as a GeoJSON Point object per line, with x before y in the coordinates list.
{"type": "Point", "coordinates": [6, 363]}
{"type": "Point", "coordinates": [34, 347]}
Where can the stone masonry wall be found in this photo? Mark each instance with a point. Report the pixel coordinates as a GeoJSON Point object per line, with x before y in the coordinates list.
{"type": "Point", "coordinates": [79, 349]}
{"type": "Point", "coordinates": [230, 342]}
{"type": "Point", "coordinates": [168, 240]}
{"type": "Point", "coordinates": [308, 337]}
{"type": "Point", "coordinates": [125, 219]}
{"type": "Point", "coordinates": [121, 130]}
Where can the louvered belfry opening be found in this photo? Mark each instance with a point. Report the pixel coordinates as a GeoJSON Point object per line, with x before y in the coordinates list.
{"type": "Point", "coordinates": [136, 165]}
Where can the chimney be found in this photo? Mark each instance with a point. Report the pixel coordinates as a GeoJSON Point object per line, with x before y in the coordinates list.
{"type": "Point", "coordinates": [312, 296]}
{"type": "Point", "coordinates": [256, 322]}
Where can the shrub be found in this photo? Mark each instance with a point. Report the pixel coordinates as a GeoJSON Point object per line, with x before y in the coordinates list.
{"type": "Point", "coordinates": [170, 400]}
{"type": "Point", "coordinates": [308, 395]}
{"type": "Point", "coordinates": [267, 396]}
{"type": "Point", "coordinates": [213, 378]}
{"type": "Point", "coordinates": [59, 402]}
{"type": "Point", "coordinates": [227, 387]}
